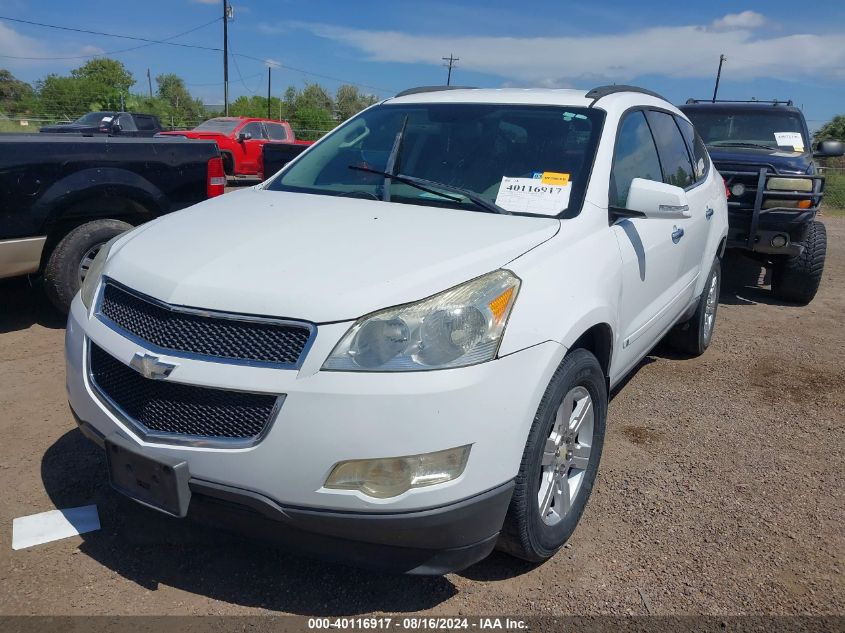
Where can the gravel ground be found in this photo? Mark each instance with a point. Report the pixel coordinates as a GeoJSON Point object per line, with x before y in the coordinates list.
{"type": "Point", "coordinates": [720, 492]}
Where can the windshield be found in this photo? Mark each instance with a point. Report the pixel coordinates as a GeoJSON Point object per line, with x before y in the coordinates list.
{"type": "Point", "coordinates": [541, 152]}
{"type": "Point", "coordinates": [94, 118]}
{"type": "Point", "coordinates": [760, 127]}
{"type": "Point", "coordinates": [225, 126]}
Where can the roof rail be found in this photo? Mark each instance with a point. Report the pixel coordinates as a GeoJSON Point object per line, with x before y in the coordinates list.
{"type": "Point", "coordinates": [419, 89]}
{"type": "Point", "coordinates": [773, 102]}
{"type": "Point", "coordinates": [602, 91]}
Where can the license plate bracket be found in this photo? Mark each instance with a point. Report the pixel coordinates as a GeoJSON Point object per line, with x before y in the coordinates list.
{"type": "Point", "coordinates": [160, 483]}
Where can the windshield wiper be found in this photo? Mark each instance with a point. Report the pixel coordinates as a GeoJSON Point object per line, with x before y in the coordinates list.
{"type": "Point", "coordinates": [394, 159]}
{"type": "Point", "coordinates": [431, 186]}
{"type": "Point", "coordinates": [741, 144]}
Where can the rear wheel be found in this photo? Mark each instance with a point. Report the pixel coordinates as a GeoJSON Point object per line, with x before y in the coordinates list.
{"type": "Point", "coordinates": [560, 461]}
{"type": "Point", "coordinates": [797, 278]}
{"type": "Point", "coordinates": [70, 260]}
{"type": "Point", "coordinates": [694, 335]}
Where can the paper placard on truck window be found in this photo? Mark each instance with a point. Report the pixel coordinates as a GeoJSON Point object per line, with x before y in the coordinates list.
{"type": "Point", "coordinates": [530, 195]}
{"type": "Point", "coordinates": [790, 139]}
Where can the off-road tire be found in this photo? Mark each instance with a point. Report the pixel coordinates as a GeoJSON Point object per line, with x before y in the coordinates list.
{"type": "Point", "coordinates": [524, 534]}
{"type": "Point", "coordinates": [61, 274]}
{"type": "Point", "coordinates": [692, 336]}
{"type": "Point", "coordinates": [797, 279]}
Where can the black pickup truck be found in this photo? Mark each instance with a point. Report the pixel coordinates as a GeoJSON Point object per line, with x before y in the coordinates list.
{"type": "Point", "coordinates": [108, 123]}
{"type": "Point", "coordinates": [762, 150]}
{"type": "Point", "coordinates": [62, 197]}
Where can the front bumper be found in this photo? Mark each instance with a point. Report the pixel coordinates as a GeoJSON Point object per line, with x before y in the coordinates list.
{"type": "Point", "coordinates": [427, 542]}
{"type": "Point", "coordinates": [329, 417]}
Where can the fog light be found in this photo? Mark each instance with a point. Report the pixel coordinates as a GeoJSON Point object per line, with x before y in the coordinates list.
{"type": "Point", "coordinates": [779, 241]}
{"type": "Point", "coordinates": [392, 476]}
{"type": "Point", "coordinates": [738, 189]}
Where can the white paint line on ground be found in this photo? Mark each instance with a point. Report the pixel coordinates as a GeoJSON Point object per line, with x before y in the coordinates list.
{"type": "Point", "coordinates": [53, 525]}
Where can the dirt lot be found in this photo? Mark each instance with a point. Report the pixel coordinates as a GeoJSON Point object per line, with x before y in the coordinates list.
{"type": "Point", "coordinates": [721, 491]}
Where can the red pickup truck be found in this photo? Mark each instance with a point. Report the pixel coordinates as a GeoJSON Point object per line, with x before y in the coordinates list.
{"type": "Point", "coordinates": [240, 140]}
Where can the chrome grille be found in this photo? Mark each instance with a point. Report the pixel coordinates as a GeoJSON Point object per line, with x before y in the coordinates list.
{"type": "Point", "coordinates": [162, 408]}
{"type": "Point", "coordinates": [212, 334]}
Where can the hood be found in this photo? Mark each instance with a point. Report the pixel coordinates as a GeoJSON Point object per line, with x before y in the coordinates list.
{"type": "Point", "coordinates": [313, 257]}
{"type": "Point", "coordinates": [781, 159]}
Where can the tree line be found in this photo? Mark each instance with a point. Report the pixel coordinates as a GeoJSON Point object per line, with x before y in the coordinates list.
{"type": "Point", "coordinates": [106, 84]}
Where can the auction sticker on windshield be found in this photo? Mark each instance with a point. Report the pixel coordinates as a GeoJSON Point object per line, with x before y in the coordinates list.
{"type": "Point", "coordinates": [790, 139]}
{"type": "Point", "coordinates": [532, 195]}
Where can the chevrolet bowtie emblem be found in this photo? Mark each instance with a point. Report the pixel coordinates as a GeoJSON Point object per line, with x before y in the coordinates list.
{"type": "Point", "coordinates": [150, 366]}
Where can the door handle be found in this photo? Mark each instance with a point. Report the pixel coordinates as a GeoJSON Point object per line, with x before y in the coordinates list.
{"type": "Point", "coordinates": [709, 213]}
{"type": "Point", "coordinates": [677, 234]}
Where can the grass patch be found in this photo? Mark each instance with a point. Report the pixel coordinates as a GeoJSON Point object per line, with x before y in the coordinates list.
{"type": "Point", "coordinates": [15, 126]}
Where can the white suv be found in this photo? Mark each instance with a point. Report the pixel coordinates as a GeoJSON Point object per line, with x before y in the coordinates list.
{"type": "Point", "coordinates": [398, 350]}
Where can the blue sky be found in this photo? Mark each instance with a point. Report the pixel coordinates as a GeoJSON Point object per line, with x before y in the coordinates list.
{"type": "Point", "coordinates": [774, 49]}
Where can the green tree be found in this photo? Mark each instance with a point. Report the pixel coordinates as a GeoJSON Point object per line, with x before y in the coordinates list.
{"type": "Point", "coordinates": [181, 108]}
{"type": "Point", "coordinates": [15, 95]}
{"type": "Point", "coordinates": [833, 129]}
{"type": "Point", "coordinates": [349, 101]}
{"type": "Point", "coordinates": [66, 97]}
{"type": "Point", "coordinates": [107, 81]}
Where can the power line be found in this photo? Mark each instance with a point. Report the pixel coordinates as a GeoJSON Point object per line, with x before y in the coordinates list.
{"type": "Point", "coordinates": [125, 37]}
{"type": "Point", "coordinates": [122, 50]}
{"type": "Point", "coordinates": [150, 41]}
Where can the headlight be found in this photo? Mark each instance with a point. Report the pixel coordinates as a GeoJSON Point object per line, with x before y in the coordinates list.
{"type": "Point", "coordinates": [392, 476]}
{"type": "Point", "coordinates": [461, 326]}
{"type": "Point", "coordinates": [790, 184]}
{"type": "Point", "coordinates": [92, 277]}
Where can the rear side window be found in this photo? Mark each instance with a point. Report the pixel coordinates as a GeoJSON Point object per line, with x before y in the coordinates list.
{"type": "Point", "coordinates": [700, 160]}
{"type": "Point", "coordinates": [127, 123]}
{"type": "Point", "coordinates": [276, 132]}
{"type": "Point", "coordinates": [635, 156]}
{"type": "Point", "coordinates": [674, 158]}
{"type": "Point", "coordinates": [145, 123]}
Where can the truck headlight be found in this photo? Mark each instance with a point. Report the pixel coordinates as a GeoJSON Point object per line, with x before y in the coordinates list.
{"type": "Point", "coordinates": [393, 476]}
{"type": "Point", "coordinates": [92, 277]}
{"type": "Point", "coordinates": [460, 326]}
{"type": "Point", "coordinates": [790, 184]}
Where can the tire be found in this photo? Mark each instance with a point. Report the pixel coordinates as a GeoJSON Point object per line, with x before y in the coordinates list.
{"type": "Point", "coordinates": [694, 335]}
{"type": "Point", "coordinates": [797, 279]}
{"type": "Point", "coordinates": [526, 534]}
{"type": "Point", "coordinates": [62, 272]}
{"type": "Point", "coordinates": [228, 163]}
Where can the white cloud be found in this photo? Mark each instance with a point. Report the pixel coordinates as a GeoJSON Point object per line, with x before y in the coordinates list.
{"type": "Point", "coordinates": [743, 20]}
{"type": "Point", "coordinates": [205, 2]}
{"type": "Point", "coordinates": [272, 63]}
{"type": "Point", "coordinates": [20, 47]}
{"type": "Point", "coordinates": [673, 51]}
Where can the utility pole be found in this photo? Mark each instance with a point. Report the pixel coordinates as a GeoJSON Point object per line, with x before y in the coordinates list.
{"type": "Point", "coordinates": [226, 57]}
{"type": "Point", "coordinates": [450, 64]}
{"type": "Point", "coordinates": [722, 60]}
{"type": "Point", "coordinates": [150, 83]}
{"type": "Point", "coordinates": [269, 70]}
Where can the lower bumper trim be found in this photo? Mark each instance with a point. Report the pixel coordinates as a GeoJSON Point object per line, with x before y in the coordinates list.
{"type": "Point", "coordinates": [430, 541]}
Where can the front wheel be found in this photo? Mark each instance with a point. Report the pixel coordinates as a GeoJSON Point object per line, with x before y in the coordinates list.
{"type": "Point", "coordinates": [797, 278]}
{"type": "Point", "coordinates": [560, 460]}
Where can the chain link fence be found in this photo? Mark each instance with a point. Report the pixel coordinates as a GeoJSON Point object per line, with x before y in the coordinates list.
{"type": "Point", "coordinates": [834, 186]}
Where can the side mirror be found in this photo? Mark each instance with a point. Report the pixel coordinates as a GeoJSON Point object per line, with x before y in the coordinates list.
{"type": "Point", "coordinates": [657, 200]}
{"type": "Point", "coordinates": [830, 148]}
{"type": "Point", "coordinates": [244, 136]}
